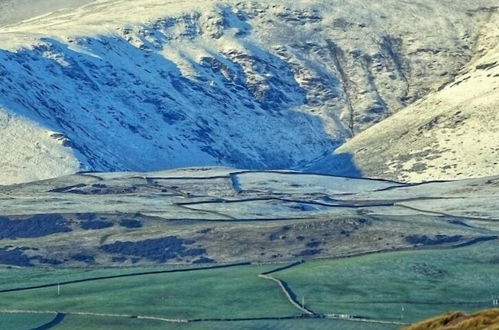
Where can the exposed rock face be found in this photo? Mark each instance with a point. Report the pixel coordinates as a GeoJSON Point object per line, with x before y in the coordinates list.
{"type": "Point", "coordinates": [247, 84]}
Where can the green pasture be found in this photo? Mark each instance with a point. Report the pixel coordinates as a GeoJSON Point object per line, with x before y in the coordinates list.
{"type": "Point", "coordinates": [409, 285]}
{"type": "Point", "coordinates": [23, 321]}
{"type": "Point", "coordinates": [235, 292]}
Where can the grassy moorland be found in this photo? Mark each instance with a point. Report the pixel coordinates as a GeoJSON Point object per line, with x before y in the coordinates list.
{"type": "Point", "coordinates": [380, 285]}
{"type": "Point", "coordinates": [486, 319]}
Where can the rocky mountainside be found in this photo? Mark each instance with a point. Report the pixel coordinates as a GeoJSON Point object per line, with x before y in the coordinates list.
{"type": "Point", "coordinates": [114, 85]}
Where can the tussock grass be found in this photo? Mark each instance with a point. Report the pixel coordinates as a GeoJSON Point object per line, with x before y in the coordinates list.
{"type": "Point", "coordinates": [483, 320]}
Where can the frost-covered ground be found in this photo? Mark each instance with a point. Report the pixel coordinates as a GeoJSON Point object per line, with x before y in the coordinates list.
{"type": "Point", "coordinates": [127, 85]}
{"type": "Point", "coordinates": [162, 192]}
{"type": "Point", "coordinates": [225, 215]}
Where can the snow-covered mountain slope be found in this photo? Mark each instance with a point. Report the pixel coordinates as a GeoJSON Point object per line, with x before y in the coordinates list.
{"type": "Point", "coordinates": [453, 133]}
{"type": "Point", "coordinates": [127, 85]}
{"type": "Point", "coordinates": [30, 152]}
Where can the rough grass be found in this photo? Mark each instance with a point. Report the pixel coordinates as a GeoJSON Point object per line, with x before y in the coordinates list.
{"type": "Point", "coordinates": [379, 286]}
{"type": "Point", "coordinates": [220, 293]}
{"type": "Point", "coordinates": [17, 277]}
{"type": "Point", "coordinates": [487, 319]}
{"type": "Point", "coordinates": [22, 321]}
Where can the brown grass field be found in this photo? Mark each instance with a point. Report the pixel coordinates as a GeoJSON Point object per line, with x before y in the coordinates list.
{"type": "Point", "coordinates": [483, 320]}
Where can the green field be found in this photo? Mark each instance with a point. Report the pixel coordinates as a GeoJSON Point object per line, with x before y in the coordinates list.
{"type": "Point", "coordinates": [16, 277]}
{"type": "Point", "coordinates": [22, 321]}
{"type": "Point", "coordinates": [424, 283]}
{"type": "Point", "coordinates": [220, 293]}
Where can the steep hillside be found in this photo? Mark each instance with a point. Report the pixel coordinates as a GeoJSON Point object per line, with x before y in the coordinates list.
{"type": "Point", "coordinates": [115, 85]}
{"type": "Point", "coordinates": [453, 133]}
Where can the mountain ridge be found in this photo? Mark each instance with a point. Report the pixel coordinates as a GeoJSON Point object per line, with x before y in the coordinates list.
{"type": "Point", "coordinates": [246, 84]}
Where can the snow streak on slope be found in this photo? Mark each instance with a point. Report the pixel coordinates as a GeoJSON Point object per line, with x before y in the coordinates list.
{"type": "Point", "coordinates": [453, 133]}
{"type": "Point", "coordinates": [163, 84]}
{"type": "Point", "coordinates": [12, 11]}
